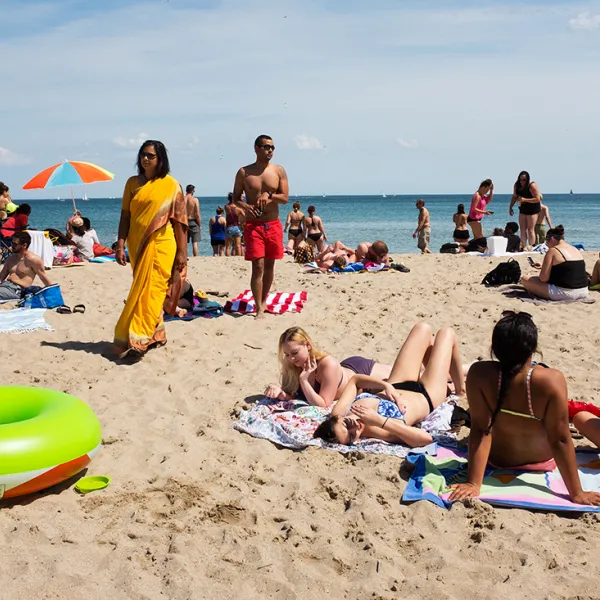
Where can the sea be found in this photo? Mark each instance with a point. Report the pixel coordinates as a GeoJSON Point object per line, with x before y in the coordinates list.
{"type": "Point", "coordinates": [353, 219]}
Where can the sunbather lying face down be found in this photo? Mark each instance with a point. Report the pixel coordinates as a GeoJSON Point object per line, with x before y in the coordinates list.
{"type": "Point", "coordinates": [519, 413]}
{"type": "Point", "coordinates": [309, 374]}
{"type": "Point", "coordinates": [405, 399]}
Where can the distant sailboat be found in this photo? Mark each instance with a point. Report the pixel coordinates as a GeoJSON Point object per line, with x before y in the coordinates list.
{"type": "Point", "coordinates": [383, 196]}
{"type": "Point", "coordinates": [571, 192]}
{"type": "Point", "coordinates": [85, 198]}
{"type": "Point", "coordinates": [60, 199]}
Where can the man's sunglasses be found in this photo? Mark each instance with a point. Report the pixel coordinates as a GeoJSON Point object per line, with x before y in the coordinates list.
{"type": "Point", "coordinates": [147, 155]}
{"type": "Point", "coordinates": [268, 147]}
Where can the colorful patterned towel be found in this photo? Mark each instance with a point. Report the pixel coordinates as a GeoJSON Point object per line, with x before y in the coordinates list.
{"type": "Point", "coordinates": [23, 320]}
{"type": "Point", "coordinates": [277, 302]}
{"type": "Point", "coordinates": [501, 487]}
{"type": "Point", "coordinates": [207, 310]}
{"type": "Point", "coordinates": [103, 259]}
{"type": "Point", "coordinates": [292, 424]}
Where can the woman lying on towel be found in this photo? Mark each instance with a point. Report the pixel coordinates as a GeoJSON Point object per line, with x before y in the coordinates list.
{"type": "Point", "coordinates": [309, 374]}
{"type": "Point", "coordinates": [519, 413]}
{"type": "Point", "coordinates": [392, 408]}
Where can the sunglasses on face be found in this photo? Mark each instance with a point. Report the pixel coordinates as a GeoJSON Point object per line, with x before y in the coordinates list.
{"type": "Point", "coordinates": [148, 155]}
{"type": "Point", "coordinates": [268, 147]}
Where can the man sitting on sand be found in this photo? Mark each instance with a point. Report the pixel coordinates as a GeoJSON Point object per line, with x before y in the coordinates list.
{"type": "Point", "coordinates": [20, 269]}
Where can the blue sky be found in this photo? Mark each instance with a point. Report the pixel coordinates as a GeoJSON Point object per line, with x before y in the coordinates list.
{"type": "Point", "coordinates": [361, 97]}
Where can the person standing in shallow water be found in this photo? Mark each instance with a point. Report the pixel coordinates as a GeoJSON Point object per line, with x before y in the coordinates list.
{"type": "Point", "coordinates": [194, 219]}
{"type": "Point", "coordinates": [527, 194]}
{"type": "Point", "coordinates": [266, 187]}
{"type": "Point", "coordinates": [481, 198]}
{"type": "Point", "coordinates": [423, 230]}
{"type": "Point", "coordinates": [154, 226]}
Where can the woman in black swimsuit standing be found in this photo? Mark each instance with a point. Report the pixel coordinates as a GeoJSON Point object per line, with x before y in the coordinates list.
{"type": "Point", "coordinates": [527, 194]}
{"type": "Point", "coordinates": [294, 223]}
{"type": "Point", "coordinates": [314, 230]}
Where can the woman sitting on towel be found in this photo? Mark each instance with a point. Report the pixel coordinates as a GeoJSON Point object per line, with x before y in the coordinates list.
{"type": "Point", "coordinates": [562, 274]}
{"type": "Point", "coordinates": [519, 413]}
{"type": "Point", "coordinates": [309, 374]}
{"type": "Point", "coordinates": [392, 408]}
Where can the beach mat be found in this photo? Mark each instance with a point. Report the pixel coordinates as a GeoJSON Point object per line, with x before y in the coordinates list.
{"type": "Point", "coordinates": [103, 259]}
{"type": "Point", "coordinates": [523, 295]}
{"type": "Point", "coordinates": [277, 303]}
{"type": "Point", "coordinates": [509, 488]}
{"type": "Point", "coordinates": [293, 423]}
{"type": "Point", "coordinates": [23, 320]}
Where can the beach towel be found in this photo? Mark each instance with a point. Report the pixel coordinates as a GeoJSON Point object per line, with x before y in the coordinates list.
{"type": "Point", "coordinates": [277, 302]}
{"type": "Point", "coordinates": [501, 487]}
{"type": "Point", "coordinates": [103, 259]}
{"type": "Point", "coordinates": [523, 295]}
{"type": "Point", "coordinates": [207, 310]}
{"type": "Point", "coordinates": [23, 320]}
{"type": "Point", "coordinates": [293, 423]}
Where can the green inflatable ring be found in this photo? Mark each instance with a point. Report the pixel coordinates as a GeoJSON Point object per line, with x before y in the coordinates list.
{"type": "Point", "coordinates": [45, 437]}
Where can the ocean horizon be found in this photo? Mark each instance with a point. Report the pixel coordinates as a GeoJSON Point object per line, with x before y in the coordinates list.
{"type": "Point", "coordinates": [351, 219]}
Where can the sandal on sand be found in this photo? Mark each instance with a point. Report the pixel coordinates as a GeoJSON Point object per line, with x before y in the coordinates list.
{"type": "Point", "coordinates": [64, 310]}
{"type": "Point", "coordinates": [79, 308]}
{"type": "Point", "coordinates": [575, 432]}
{"type": "Point", "coordinates": [132, 353]}
{"type": "Point", "coordinates": [400, 267]}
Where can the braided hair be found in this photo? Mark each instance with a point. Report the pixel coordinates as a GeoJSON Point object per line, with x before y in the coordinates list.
{"type": "Point", "coordinates": [514, 341]}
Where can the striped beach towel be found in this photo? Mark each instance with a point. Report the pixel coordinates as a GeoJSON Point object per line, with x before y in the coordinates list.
{"type": "Point", "coordinates": [277, 302]}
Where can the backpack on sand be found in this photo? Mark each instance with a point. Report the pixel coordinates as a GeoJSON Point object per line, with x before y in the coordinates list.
{"type": "Point", "coordinates": [504, 273]}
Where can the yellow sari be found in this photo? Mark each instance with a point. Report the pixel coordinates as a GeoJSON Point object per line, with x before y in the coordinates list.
{"type": "Point", "coordinates": [152, 247]}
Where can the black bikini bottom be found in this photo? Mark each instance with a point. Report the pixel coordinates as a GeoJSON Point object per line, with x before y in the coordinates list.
{"type": "Point", "coordinates": [315, 237]}
{"type": "Point", "coordinates": [295, 232]}
{"type": "Point", "coordinates": [461, 234]}
{"type": "Point", "coordinates": [414, 386]}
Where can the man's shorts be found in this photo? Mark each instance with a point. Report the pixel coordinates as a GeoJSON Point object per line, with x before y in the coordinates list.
{"type": "Point", "coordinates": [193, 231]}
{"type": "Point", "coordinates": [424, 238]}
{"type": "Point", "coordinates": [10, 291]}
{"type": "Point", "coordinates": [263, 240]}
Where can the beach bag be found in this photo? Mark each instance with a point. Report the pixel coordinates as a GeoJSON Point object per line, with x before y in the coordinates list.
{"type": "Point", "coordinates": [505, 273]}
{"type": "Point", "coordinates": [48, 297]}
{"type": "Point", "coordinates": [100, 250]}
{"type": "Point", "coordinates": [304, 255]}
{"type": "Point", "coordinates": [63, 255]}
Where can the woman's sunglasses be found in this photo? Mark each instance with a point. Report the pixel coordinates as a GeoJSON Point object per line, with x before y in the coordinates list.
{"type": "Point", "coordinates": [148, 155]}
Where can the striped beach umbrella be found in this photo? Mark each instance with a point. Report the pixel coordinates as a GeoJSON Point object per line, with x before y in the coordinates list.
{"type": "Point", "coordinates": [68, 173]}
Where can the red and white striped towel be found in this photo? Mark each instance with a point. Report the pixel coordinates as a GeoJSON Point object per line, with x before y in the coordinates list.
{"type": "Point", "coordinates": [277, 302]}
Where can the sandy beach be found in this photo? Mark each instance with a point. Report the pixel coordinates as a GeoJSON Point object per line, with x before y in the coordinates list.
{"type": "Point", "coordinates": [198, 510]}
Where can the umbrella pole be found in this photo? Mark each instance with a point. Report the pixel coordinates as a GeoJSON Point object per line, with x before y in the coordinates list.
{"type": "Point", "coordinates": [73, 198]}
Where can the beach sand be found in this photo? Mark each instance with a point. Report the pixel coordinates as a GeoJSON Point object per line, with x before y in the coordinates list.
{"type": "Point", "coordinates": [198, 510]}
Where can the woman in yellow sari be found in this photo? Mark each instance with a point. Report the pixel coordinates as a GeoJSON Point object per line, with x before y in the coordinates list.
{"type": "Point", "coordinates": [154, 225]}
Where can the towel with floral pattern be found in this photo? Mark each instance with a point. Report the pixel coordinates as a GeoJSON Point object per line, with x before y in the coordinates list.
{"type": "Point", "coordinates": [293, 423]}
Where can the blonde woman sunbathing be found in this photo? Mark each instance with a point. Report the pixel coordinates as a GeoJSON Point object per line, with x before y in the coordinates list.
{"type": "Point", "coordinates": [310, 374]}
{"type": "Point", "coordinates": [405, 399]}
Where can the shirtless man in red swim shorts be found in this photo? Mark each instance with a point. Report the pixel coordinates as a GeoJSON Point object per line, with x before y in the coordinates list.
{"type": "Point", "coordinates": [266, 187]}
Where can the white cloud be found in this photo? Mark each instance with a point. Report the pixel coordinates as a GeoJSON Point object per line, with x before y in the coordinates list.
{"type": "Point", "coordinates": [12, 159]}
{"type": "Point", "coordinates": [585, 20]}
{"type": "Point", "coordinates": [407, 143]}
{"type": "Point", "coordinates": [308, 142]}
{"type": "Point", "coordinates": [130, 143]}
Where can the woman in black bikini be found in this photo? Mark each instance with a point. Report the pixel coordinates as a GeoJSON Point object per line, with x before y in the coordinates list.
{"type": "Point", "coordinates": [314, 230]}
{"type": "Point", "coordinates": [405, 398]}
{"type": "Point", "coordinates": [309, 374]}
{"type": "Point", "coordinates": [294, 223]}
{"type": "Point", "coordinates": [527, 194]}
{"type": "Point", "coordinates": [461, 232]}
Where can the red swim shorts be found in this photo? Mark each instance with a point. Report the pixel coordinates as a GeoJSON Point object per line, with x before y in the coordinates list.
{"type": "Point", "coordinates": [263, 240]}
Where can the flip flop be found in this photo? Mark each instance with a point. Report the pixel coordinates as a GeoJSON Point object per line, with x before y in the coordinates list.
{"type": "Point", "coordinates": [79, 308]}
{"type": "Point", "coordinates": [400, 267]}
{"type": "Point", "coordinates": [64, 310]}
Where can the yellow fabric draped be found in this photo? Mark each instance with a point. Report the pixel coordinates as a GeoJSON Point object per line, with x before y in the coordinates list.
{"type": "Point", "coordinates": [151, 244]}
